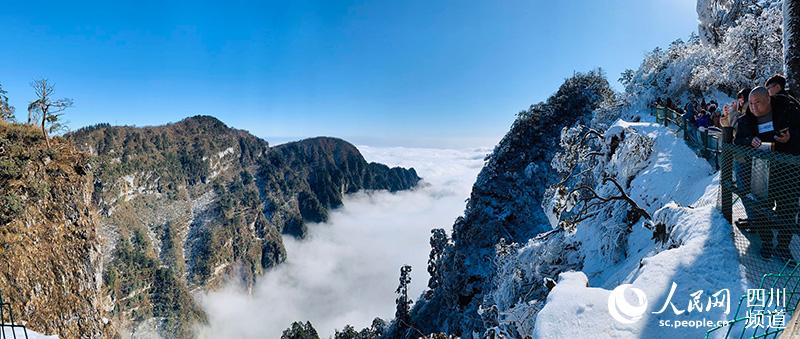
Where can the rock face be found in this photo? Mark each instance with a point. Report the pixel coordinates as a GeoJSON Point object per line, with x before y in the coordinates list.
{"type": "Point", "coordinates": [48, 234]}
{"type": "Point", "coordinates": [314, 174]}
{"type": "Point", "coordinates": [505, 203]}
{"type": "Point", "coordinates": [134, 220]}
{"type": "Point", "coordinates": [192, 204]}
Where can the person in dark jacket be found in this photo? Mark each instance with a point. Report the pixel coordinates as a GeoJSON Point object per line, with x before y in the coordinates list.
{"type": "Point", "coordinates": [702, 119]}
{"type": "Point", "coordinates": [776, 85]}
{"type": "Point", "coordinates": [714, 116]}
{"type": "Point", "coordinates": [688, 114]}
{"type": "Point", "coordinates": [773, 125]}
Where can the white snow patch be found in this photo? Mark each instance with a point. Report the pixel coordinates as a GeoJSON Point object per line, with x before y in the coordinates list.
{"type": "Point", "coordinates": [20, 333]}
{"type": "Point", "coordinates": [680, 190]}
{"type": "Point", "coordinates": [227, 151]}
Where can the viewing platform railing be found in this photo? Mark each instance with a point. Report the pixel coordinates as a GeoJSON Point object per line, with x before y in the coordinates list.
{"type": "Point", "coordinates": [760, 198]}
{"type": "Point", "coordinates": [704, 141]}
{"type": "Point", "coordinates": [7, 323]}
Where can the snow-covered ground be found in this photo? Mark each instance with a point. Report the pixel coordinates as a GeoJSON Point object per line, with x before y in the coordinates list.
{"type": "Point", "coordinates": [680, 190]}
{"type": "Point", "coordinates": [20, 333]}
{"type": "Point", "coordinates": [694, 269]}
{"type": "Point", "coordinates": [347, 270]}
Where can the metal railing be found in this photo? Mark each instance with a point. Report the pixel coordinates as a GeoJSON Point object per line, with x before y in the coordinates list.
{"type": "Point", "coordinates": [6, 312]}
{"type": "Point", "coordinates": [760, 198]}
{"type": "Point", "coordinates": [704, 141]}
{"type": "Point", "coordinates": [787, 280]}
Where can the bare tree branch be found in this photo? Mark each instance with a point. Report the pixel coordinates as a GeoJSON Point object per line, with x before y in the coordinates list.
{"type": "Point", "coordinates": [596, 199]}
{"type": "Point", "coordinates": [45, 108]}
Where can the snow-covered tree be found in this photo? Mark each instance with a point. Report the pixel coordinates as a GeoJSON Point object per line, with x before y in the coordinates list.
{"type": "Point", "coordinates": [439, 243]}
{"type": "Point", "coordinates": [403, 302]}
{"type": "Point", "coordinates": [746, 49]}
{"type": "Point", "coordinates": [574, 164]}
{"type": "Point", "coordinates": [716, 16]}
{"type": "Point", "coordinates": [751, 51]}
{"type": "Point", "coordinates": [791, 42]}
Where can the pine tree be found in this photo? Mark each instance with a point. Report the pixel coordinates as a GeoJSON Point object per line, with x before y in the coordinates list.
{"type": "Point", "coordinates": [47, 109]}
{"type": "Point", "coordinates": [6, 110]}
{"type": "Point", "coordinates": [439, 242]}
{"type": "Point", "coordinates": [299, 330]}
{"type": "Point", "coordinates": [403, 302]}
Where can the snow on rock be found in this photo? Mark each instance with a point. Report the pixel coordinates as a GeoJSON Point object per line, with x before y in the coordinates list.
{"type": "Point", "coordinates": [630, 153]}
{"type": "Point", "coordinates": [227, 151]}
{"type": "Point", "coordinates": [704, 260]}
{"type": "Point", "coordinates": [679, 190]}
{"type": "Point", "coordinates": [218, 165]}
{"type": "Point", "coordinates": [673, 172]}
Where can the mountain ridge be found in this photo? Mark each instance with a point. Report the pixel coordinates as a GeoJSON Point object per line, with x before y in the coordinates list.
{"type": "Point", "coordinates": [181, 208]}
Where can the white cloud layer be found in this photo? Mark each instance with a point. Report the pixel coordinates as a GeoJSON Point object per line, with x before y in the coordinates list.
{"type": "Point", "coordinates": [347, 269]}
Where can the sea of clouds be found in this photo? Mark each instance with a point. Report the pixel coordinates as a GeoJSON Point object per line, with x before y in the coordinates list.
{"type": "Point", "coordinates": [346, 270]}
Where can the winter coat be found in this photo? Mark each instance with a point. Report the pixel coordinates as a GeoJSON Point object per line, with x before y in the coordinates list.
{"type": "Point", "coordinates": [785, 114]}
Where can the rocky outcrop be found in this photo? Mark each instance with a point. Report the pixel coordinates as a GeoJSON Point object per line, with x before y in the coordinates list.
{"type": "Point", "coordinates": [315, 174]}
{"type": "Point", "coordinates": [50, 248]}
{"type": "Point", "coordinates": [505, 203]}
{"type": "Point", "coordinates": [193, 204]}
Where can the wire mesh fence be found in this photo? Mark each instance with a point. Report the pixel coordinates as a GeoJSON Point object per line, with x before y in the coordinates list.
{"type": "Point", "coordinates": [748, 320]}
{"type": "Point", "coordinates": [760, 197]}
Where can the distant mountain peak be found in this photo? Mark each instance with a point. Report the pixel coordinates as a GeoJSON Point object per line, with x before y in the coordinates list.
{"type": "Point", "coordinates": [204, 120]}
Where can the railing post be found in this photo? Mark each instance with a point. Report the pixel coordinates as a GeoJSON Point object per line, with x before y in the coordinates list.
{"type": "Point", "coordinates": [726, 174]}
{"type": "Point", "coordinates": [685, 128]}
{"type": "Point", "coordinates": [2, 321]}
{"type": "Point", "coordinates": [667, 117]}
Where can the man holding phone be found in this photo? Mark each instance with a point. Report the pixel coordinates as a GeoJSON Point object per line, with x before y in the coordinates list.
{"type": "Point", "coordinates": [773, 122]}
{"type": "Point", "coordinates": [773, 125]}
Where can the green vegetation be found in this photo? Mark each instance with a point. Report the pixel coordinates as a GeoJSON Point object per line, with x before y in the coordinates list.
{"type": "Point", "coordinates": [139, 283]}
{"type": "Point", "coordinates": [299, 330]}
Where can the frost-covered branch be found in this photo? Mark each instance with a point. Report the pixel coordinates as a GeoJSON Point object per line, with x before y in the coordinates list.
{"type": "Point", "coordinates": [596, 199]}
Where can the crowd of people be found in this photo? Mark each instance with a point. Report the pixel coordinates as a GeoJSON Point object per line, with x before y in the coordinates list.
{"type": "Point", "coordinates": [765, 118]}
{"type": "Point", "coordinates": [697, 113]}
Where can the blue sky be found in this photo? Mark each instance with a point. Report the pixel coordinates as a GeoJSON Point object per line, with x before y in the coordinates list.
{"type": "Point", "coordinates": [411, 73]}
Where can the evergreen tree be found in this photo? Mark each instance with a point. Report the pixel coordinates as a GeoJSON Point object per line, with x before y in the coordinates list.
{"type": "Point", "coordinates": [298, 330]}
{"type": "Point", "coordinates": [439, 242]}
{"type": "Point", "coordinates": [6, 110]}
{"type": "Point", "coordinates": [403, 301]}
{"type": "Point", "coordinates": [348, 332]}
{"type": "Point", "coordinates": [47, 109]}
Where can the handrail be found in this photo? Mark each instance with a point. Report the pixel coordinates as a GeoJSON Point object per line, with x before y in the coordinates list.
{"type": "Point", "coordinates": [757, 188]}
{"type": "Point", "coordinates": [705, 142]}
{"type": "Point", "coordinates": [12, 325]}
